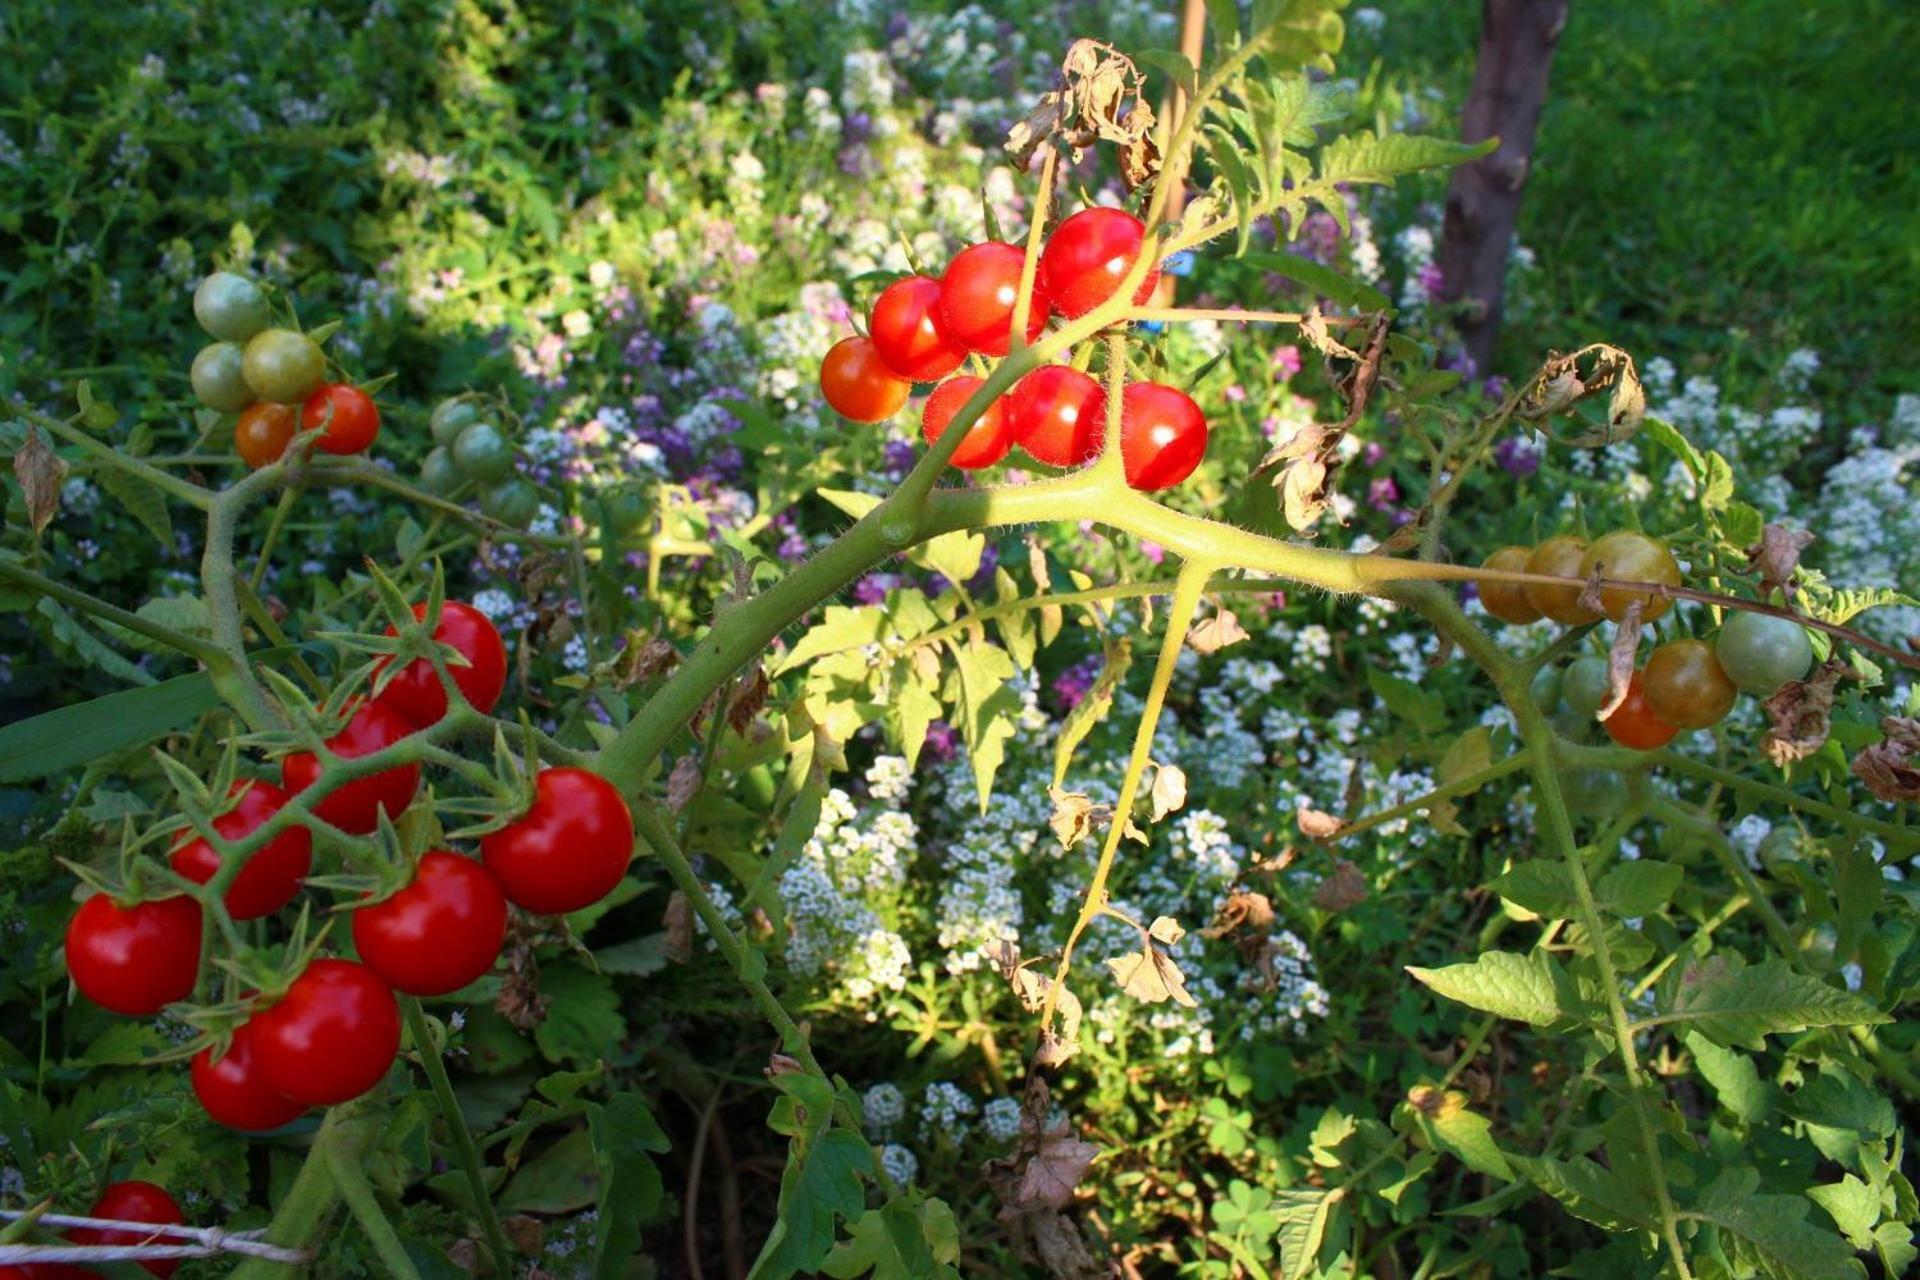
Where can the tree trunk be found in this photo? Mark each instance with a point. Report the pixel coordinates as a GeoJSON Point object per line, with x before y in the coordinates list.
{"type": "Point", "coordinates": [1517, 39]}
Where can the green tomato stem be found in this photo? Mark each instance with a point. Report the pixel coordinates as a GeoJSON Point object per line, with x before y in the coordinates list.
{"type": "Point", "coordinates": [496, 1239]}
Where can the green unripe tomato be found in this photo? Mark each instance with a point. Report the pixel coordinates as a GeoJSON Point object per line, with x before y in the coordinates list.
{"type": "Point", "coordinates": [1591, 793]}
{"type": "Point", "coordinates": [439, 474]}
{"type": "Point", "coordinates": [627, 511]}
{"type": "Point", "coordinates": [511, 502]}
{"type": "Point", "coordinates": [1584, 686]}
{"type": "Point", "coordinates": [231, 307]}
{"type": "Point", "coordinates": [1779, 849]}
{"type": "Point", "coordinates": [483, 453]}
{"type": "Point", "coordinates": [283, 366]}
{"type": "Point", "coordinates": [1545, 689]}
{"type": "Point", "coordinates": [1760, 652]}
{"type": "Point", "coordinates": [219, 377]}
{"type": "Point", "coordinates": [759, 788]}
{"type": "Point", "coordinates": [1570, 724]}
{"type": "Point", "coordinates": [450, 418]}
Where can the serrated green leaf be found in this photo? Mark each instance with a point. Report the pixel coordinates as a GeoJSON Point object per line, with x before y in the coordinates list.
{"type": "Point", "coordinates": [1716, 488]}
{"type": "Point", "coordinates": [820, 1185]}
{"type": "Point", "coordinates": [561, 1179]}
{"type": "Point", "coordinates": [910, 712]}
{"type": "Point", "coordinates": [625, 1137]}
{"type": "Point", "coordinates": [1733, 1003]}
{"type": "Point", "coordinates": [914, 1237]}
{"type": "Point", "coordinates": [1467, 1136]}
{"type": "Point", "coordinates": [1735, 1080]}
{"type": "Point", "coordinates": [142, 500]}
{"type": "Point", "coordinates": [1361, 157]}
{"type": "Point", "coordinates": [1177, 66]}
{"type": "Point", "coordinates": [73, 736]}
{"type": "Point", "coordinates": [1323, 280]}
{"type": "Point", "coordinates": [1528, 988]}
{"type": "Point", "coordinates": [987, 707]}
{"type": "Point", "coordinates": [1668, 437]}
{"type": "Point", "coordinates": [1542, 886]}
{"type": "Point", "coordinates": [1638, 888]}
{"type": "Point", "coordinates": [954, 556]}
{"type": "Point", "coordinates": [583, 1014]}
{"type": "Point", "coordinates": [74, 633]}
{"type": "Point", "coordinates": [1775, 1230]}
{"type": "Point", "coordinates": [1305, 1214]}
{"type": "Point", "coordinates": [841, 627]}
{"type": "Point", "coordinates": [1853, 1206]}
{"type": "Point", "coordinates": [1589, 1191]}
{"type": "Point", "coordinates": [1741, 525]}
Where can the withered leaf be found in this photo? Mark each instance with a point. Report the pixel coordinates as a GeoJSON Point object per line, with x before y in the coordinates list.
{"type": "Point", "coordinates": [1166, 930]}
{"type": "Point", "coordinates": [1053, 1171]}
{"type": "Point", "coordinates": [679, 926]}
{"type": "Point", "coordinates": [1072, 818]}
{"type": "Point", "coordinates": [1150, 974]}
{"type": "Point", "coordinates": [1346, 887]}
{"type": "Point", "coordinates": [1316, 825]}
{"type": "Point", "coordinates": [1056, 1045]}
{"type": "Point", "coordinates": [40, 471]}
{"type": "Point", "coordinates": [1888, 767]}
{"type": "Point", "coordinates": [1212, 634]}
{"type": "Point", "coordinates": [1240, 910]}
{"type": "Point", "coordinates": [683, 784]}
{"type": "Point", "coordinates": [1802, 714]}
{"type": "Point", "coordinates": [1626, 646]}
{"type": "Point", "coordinates": [1777, 555]}
{"type": "Point", "coordinates": [1169, 791]}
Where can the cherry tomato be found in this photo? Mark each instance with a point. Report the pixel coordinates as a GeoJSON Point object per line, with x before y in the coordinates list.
{"type": "Point", "coordinates": [263, 432]}
{"type": "Point", "coordinates": [1760, 652]}
{"type": "Point", "coordinates": [415, 691]}
{"type": "Point", "coordinates": [355, 807]}
{"type": "Point", "coordinates": [283, 366]}
{"type": "Point", "coordinates": [134, 1201]}
{"type": "Point", "coordinates": [1584, 687]}
{"type": "Point", "coordinates": [331, 1037]}
{"type": "Point", "coordinates": [512, 502]}
{"type": "Point", "coordinates": [1058, 414]}
{"type": "Point", "coordinates": [1087, 257]}
{"type": "Point", "coordinates": [1634, 724]}
{"type": "Point", "coordinates": [1633, 557]}
{"type": "Point", "coordinates": [230, 307]}
{"type": "Point", "coordinates": [450, 418]}
{"type": "Point", "coordinates": [46, 1271]}
{"type": "Point", "coordinates": [1686, 687]}
{"type": "Point", "coordinates": [1508, 601]}
{"type": "Point", "coordinates": [439, 933]}
{"type": "Point", "coordinates": [480, 451]}
{"type": "Point", "coordinates": [349, 414]}
{"type": "Point", "coordinates": [905, 328]}
{"type": "Point", "coordinates": [1544, 689]}
{"type": "Point", "coordinates": [857, 383]}
{"type": "Point", "coordinates": [438, 472]}
{"type": "Point", "coordinates": [218, 380]}
{"type": "Point", "coordinates": [274, 871]}
{"type": "Point", "coordinates": [1163, 435]}
{"type": "Point", "coordinates": [137, 959]}
{"type": "Point", "coordinates": [977, 294]}
{"type": "Point", "coordinates": [568, 850]}
{"type": "Point", "coordinates": [1559, 556]}
{"type": "Point", "coordinates": [988, 439]}
{"type": "Point", "coordinates": [233, 1090]}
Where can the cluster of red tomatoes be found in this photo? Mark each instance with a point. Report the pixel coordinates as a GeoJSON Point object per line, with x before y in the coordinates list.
{"type": "Point", "coordinates": [1685, 684]}
{"type": "Point", "coordinates": [275, 379]}
{"type": "Point", "coordinates": [335, 1029]}
{"type": "Point", "coordinates": [922, 330]}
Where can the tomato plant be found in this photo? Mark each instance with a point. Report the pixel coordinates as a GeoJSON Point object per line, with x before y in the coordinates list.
{"type": "Point", "coordinates": [1759, 653]}
{"type": "Point", "coordinates": [977, 297]}
{"type": "Point", "coordinates": [350, 417]}
{"type": "Point", "coordinates": [1685, 685]}
{"type": "Point", "coordinates": [232, 1088]}
{"type": "Point", "coordinates": [218, 377]}
{"type": "Point", "coordinates": [263, 432]}
{"type": "Point", "coordinates": [283, 366]}
{"type": "Point", "coordinates": [1163, 435]}
{"type": "Point", "coordinates": [1635, 557]}
{"type": "Point", "coordinates": [1089, 255]}
{"type": "Point", "coordinates": [987, 439]}
{"type": "Point", "coordinates": [356, 807]}
{"type": "Point", "coordinates": [231, 307]}
{"type": "Point", "coordinates": [439, 933]}
{"type": "Point", "coordinates": [132, 1200]}
{"type": "Point", "coordinates": [134, 959]}
{"type": "Point", "coordinates": [858, 383]}
{"type": "Point", "coordinates": [330, 1037]}
{"type": "Point", "coordinates": [904, 328]}
{"type": "Point", "coordinates": [272, 874]}
{"type": "Point", "coordinates": [415, 691]}
{"type": "Point", "coordinates": [1634, 723]}
{"type": "Point", "coordinates": [568, 850]}
{"type": "Point", "coordinates": [1559, 556]}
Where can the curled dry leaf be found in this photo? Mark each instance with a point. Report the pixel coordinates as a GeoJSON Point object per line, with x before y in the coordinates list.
{"type": "Point", "coordinates": [683, 784]}
{"type": "Point", "coordinates": [1037, 1182]}
{"type": "Point", "coordinates": [1150, 974]}
{"type": "Point", "coordinates": [1072, 818]}
{"type": "Point", "coordinates": [1100, 98]}
{"type": "Point", "coordinates": [40, 471]}
{"type": "Point", "coordinates": [679, 926]}
{"type": "Point", "coordinates": [1564, 380]}
{"type": "Point", "coordinates": [1888, 766]}
{"type": "Point", "coordinates": [1316, 825]}
{"type": "Point", "coordinates": [1240, 910]}
{"type": "Point", "coordinates": [1312, 454]}
{"type": "Point", "coordinates": [1620, 657]}
{"type": "Point", "coordinates": [1169, 791]}
{"type": "Point", "coordinates": [1777, 555]}
{"type": "Point", "coordinates": [1345, 888]}
{"type": "Point", "coordinates": [1802, 714]}
{"type": "Point", "coordinates": [1214, 633]}
{"type": "Point", "coordinates": [1056, 1046]}
{"type": "Point", "coordinates": [749, 699]}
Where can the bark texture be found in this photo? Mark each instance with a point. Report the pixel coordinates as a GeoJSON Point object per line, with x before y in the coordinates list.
{"type": "Point", "coordinates": [1517, 39]}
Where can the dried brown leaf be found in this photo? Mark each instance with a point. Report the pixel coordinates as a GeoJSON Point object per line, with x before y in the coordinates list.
{"type": "Point", "coordinates": [1212, 634]}
{"type": "Point", "coordinates": [1888, 767]}
{"type": "Point", "coordinates": [1802, 714]}
{"type": "Point", "coordinates": [1777, 555]}
{"type": "Point", "coordinates": [683, 784]}
{"type": "Point", "coordinates": [679, 926]}
{"type": "Point", "coordinates": [1242, 909]}
{"type": "Point", "coordinates": [1169, 791]}
{"type": "Point", "coordinates": [1345, 888]}
{"type": "Point", "coordinates": [1316, 825]}
{"type": "Point", "coordinates": [1072, 818]}
{"type": "Point", "coordinates": [1620, 658]}
{"type": "Point", "coordinates": [40, 471]}
{"type": "Point", "coordinates": [1150, 974]}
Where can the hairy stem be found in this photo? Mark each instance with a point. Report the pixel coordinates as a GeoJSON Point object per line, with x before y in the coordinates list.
{"type": "Point", "coordinates": [496, 1239]}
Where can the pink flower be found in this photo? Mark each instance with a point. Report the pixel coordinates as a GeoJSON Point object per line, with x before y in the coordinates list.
{"type": "Point", "coordinates": [1286, 361]}
{"type": "Point", "coordinates": [1235, 393]}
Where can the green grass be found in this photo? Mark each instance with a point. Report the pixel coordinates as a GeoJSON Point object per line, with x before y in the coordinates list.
{"type": "Point", "coordinates": [1718, 180]}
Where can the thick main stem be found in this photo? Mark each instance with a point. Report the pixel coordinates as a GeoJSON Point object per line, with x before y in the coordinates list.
{"type": "Point", "coordinates": [436, 1068]}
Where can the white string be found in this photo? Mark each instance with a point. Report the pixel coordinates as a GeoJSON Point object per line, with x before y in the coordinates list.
{"type": "Point", "coordinates": [189, 1242]}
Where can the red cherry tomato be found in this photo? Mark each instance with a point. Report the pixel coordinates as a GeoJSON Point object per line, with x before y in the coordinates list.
{"type": "Point", "coordinates": [440, 932]}
{"type": "Point", "coordinates": [349, 414]}
{"type": "Point", "coordinates": [263, 431]}
{"type": "Point", "coordinates": [274, 871]}
{"type": "Point", "coordinates": [331, 1037]}
{"type": "Point", "coordinates": [977, 294]}
{"type": "Point", "coordinates": [355, 808]}
{"type": "Point", "coordinates": [988, 439]}
{"type": "Point", "coordinates": [568, 850]}
{"type": "Point", "coordinates": [1058, 414]}
{"type": "Point", "coordinates": [1634, 724]}
{"type": "Point", "coordinates": [46, 1271]}
{"type": "Point", "coordinates": [857, 383]}
{"type": "Point", "coordinates": [1087, 257]}
{"type": "Point", "coordinates": [1163, 435]}
{"type": "Point", "coordinates": [233, 1090]}
{"type": "Point", "coordinates": [905, 328]}
{"type": "Point", "coordinates": [134, 960]}
{"type": "Point", "coordinates": [134, 1201]}
{"type": "Point", "coordinates": [416, 692]}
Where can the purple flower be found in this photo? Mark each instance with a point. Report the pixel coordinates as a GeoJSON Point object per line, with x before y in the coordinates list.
{"type": "Point", "coordinates": [942, 741]}
{"type": "Point", "coordinates": [1383, 493]}
{"type": "Point", "coordinates": [1286, 361]}
{"type": "Point", "coordinates": [1153, 551]}
{"type": "Point", "coordinates": [899, 457]}
{"type": "Point", "coordinates": [1431, 281]}
{"type": "Point", "coordinates": [1070, 687]}
{"type": "Point", "coordinates": [1517, 456]}
{"type": "Point", "coordinates": [1373, 453]}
